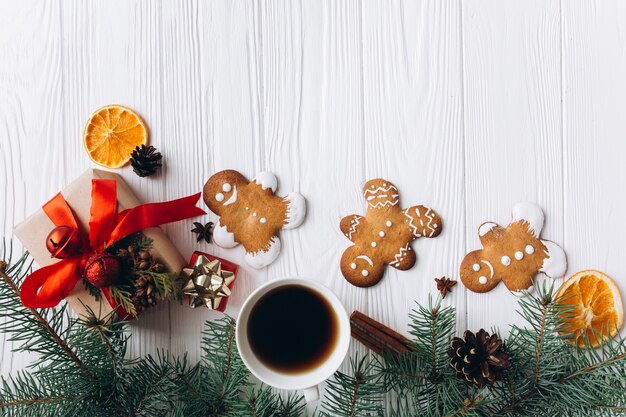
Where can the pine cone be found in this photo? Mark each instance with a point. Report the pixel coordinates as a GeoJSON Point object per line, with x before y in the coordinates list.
{"type": "Point", "coordinates": [478, 358]}
{"type": "Point", "coordinates": [145, 293]}
{"type": "Point", "coordinates": [145, 160]}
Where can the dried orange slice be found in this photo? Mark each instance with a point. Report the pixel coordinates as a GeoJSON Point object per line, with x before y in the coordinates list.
{"type": "Point", "coordinates": [596, 308]}
{"type": "Point", "coordinates": [112, 133]}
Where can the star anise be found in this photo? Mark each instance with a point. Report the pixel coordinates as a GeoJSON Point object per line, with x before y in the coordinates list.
{"type": "Point", "coordinates": [203, 231]}
{"type": "Point", "coordinates": [444, 285]}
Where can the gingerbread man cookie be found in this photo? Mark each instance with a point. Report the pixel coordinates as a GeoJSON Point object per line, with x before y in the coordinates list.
{"type": "Point", "coordinates": [384, 235]}
{"type": "Point", "coordinates": [514, 254]}
{"type": "Point", "coordinates": [251, 214]}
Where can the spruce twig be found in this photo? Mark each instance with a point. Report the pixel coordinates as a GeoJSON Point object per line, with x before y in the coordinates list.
{"type": "Point", "coordinates": [43, 323]}
{"type": "Point", "coordinates": [542, 328]}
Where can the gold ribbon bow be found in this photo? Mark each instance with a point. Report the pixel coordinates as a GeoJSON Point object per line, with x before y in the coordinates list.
{"type": "Point", "coordinates": [207, 283]}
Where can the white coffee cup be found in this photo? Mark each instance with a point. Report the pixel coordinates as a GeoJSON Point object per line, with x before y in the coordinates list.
{"type": "Point", "coordinates": [308, 380]}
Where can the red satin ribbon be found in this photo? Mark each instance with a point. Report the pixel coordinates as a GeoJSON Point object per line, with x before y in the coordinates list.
{"type": "Point", "coordinates": [47, 286]}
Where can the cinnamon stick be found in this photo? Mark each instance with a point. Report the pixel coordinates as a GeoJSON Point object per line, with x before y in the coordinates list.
{"type": "Point", "coordinates": [378, 337]}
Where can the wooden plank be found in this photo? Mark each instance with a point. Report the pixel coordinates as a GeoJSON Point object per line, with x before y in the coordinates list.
{"type": "Point", "coordinates": [513, 146]}
{"type": "Point", "coordinates": [111, 55]}
{"type": "Point", "coordinates": [413, 136]}
{"type": "Point", "coordinates": [211, 109]}
{"type": "Point", "coordinates": [594, 104]}
{"type": "Point", "coordinates": [31, 122]}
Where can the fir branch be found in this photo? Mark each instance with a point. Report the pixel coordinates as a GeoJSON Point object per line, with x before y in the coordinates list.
{"type": "Point", "coordinates": [154, 380]}
{"type": "Point", "coordinates": [545, 303]}
{"type": "Point", "coordinates": [263, 403]}
{"type": "Point", "coordinates": [92, 289]}
{"type": "Point", "coordinates": [167, 285]}
{"type": "Point", "coordinates": [123, 297]}
{"type": "Point", "coordinates": [354, 396]}
{"type": "Point", "coordinates": [143, 242]}
{"type": "Point", "coordinates": [432, 328]}
{"type": "Point", "coordinates": [224, 374]}
{"type": "Point", "coordinates": [42, 322]}
{"type": "Point", "coordinates": [468, 404]}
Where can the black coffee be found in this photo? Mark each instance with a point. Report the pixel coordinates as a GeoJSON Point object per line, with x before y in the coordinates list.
{"type": "Point", "coordinates": [292, 329]}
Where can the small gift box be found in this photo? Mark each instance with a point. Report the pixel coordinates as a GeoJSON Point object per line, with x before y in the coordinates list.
{"type": "Point", "coordinates": [209, 281]}
{"type": "Point", "coordinates": [99, 210]}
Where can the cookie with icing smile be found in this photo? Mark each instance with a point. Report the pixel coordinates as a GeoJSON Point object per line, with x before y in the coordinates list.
{"type": "Point", "coordinates": [384, 235]}
{"type": "Point", "coordinates": [251, 214]}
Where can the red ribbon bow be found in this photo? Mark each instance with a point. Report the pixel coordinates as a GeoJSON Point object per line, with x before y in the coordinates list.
{"type": "Point", "coordinates": [47, 286]}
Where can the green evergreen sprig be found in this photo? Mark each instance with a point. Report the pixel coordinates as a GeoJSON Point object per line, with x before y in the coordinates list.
{"type": "Point", "coordinates": [81, 367]}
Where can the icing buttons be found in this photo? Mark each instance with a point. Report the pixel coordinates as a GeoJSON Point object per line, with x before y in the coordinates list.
{"type": "Point", "coordinates": [365, 272]}
{"type": "Point", "coordinates": [353, 265]}
{"type": "Point", "coordinates": [512, 254]}
{"type": "Point", "coordinates": [233, 199]}
{"type": "Point", "coordinates": [384, 234]}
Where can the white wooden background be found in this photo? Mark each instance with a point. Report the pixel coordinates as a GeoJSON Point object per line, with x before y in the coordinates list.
{"type": "Point", "coordinates": [468, 106]}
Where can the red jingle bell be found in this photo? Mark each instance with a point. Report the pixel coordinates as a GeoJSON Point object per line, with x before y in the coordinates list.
{"type": "Point", "coordinates": [63, 242]}
{"type": "Point", "coordinates": [102, 269]}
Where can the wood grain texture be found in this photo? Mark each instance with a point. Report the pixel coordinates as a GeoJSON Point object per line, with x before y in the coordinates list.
{"type": "Point", "coordinates": [513, 135]}
{"type": "Point", "coordinates": [468, 106]}
{"type": "Point", "coordinates": [594, 104]}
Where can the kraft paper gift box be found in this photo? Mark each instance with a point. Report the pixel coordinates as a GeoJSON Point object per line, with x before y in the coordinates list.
{"type": "Point", "coordinates": [33, 232]}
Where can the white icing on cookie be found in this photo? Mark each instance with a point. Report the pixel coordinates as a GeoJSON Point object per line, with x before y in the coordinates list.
{"type": "Point", "coordinates": [532, 214]}
{"type": "Point", "coordinates": [254, 214]}
{"type": "Point", "coordinates": [519, 255]}
{"type": "Point", "coordinates": [424, 229]}
{"type": "Point", "coordinates": [486, 228]}
{"type": "Point", "coordinates": [373, 244]}
{"type": "Point", "coordinates": [267, 180]}
{"type": "Point", "coordinates": [399, 257]}
{"type": "Point", "coordinates": [365, 272]}
{"type": "Point", "coordinates": [233, 197]}
{"type": "Point", "coordinates": [353, 265]}
{"type": "Point", "coordinates": [530, 249]}
{"type": "Point", "coordinates": [226, 187]}
{"type": "Point", "coordinates": [388, 223]}
{"type": "Point", "coordinates": [555, 264]}
{"type": "Point", "coordinates": [482, 279]}
{"type": "Point", "coordinates": [476, 267]}
{"type": "Point", "coordinates": [381, 234]}
{"type": "Point", "coordinates": [263, 258]}
{"type": "Point", "coordinates": [353, 224]}
{"type": "Point", "coordinates": [506, 261]}
{"type": "Point", "coordinates": [263, 220]}
{"type": "Point", "coordinates": [296, 210]}
{"type": "Point", "coordinates": [490, 267]}
{"type": "Point", "coordinates": [219, 197]}
{"type": "Point", "coordinates": [383, 196]}
{"type": "Point", "coordinates": [366, 259]}
{"type": "Point", "coordinates": [222, 237]}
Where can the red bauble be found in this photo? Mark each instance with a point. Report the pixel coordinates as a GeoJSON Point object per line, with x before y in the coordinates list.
{"type": "Point", "coordinates": [63, 242]}
{"type": "Point", "coordinates": [102, 269]}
